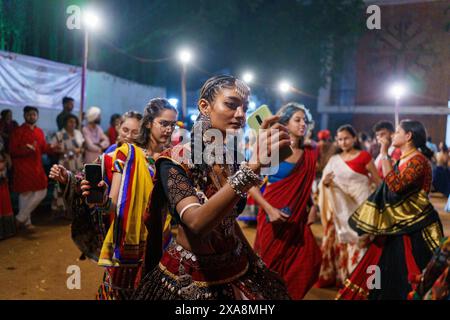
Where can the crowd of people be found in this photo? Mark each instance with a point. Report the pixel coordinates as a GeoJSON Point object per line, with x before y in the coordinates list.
{"type": "Point", "coordinates": [370, 194]}
{"type": "Point", "coordinates": [21, 166]}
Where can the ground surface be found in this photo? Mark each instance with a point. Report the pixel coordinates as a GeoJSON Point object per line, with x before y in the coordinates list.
{"type": "Point", "coordinates": [33, 266]}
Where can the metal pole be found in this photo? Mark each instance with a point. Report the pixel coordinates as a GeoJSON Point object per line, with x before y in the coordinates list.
{"type": "Point", "coordinates": [183, 93]}
{"type": "Point", "coordinates": [397, 107]}
{"type": "Point", "coordinates": [83, 73]}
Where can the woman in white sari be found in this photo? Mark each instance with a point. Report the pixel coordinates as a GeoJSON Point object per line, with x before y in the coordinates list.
{"type": "Point", "coordinates": [348, 180]}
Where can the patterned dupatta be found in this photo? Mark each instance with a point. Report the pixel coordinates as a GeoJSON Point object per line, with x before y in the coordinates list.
{"type": "Point", "coordinates": [125, 240]}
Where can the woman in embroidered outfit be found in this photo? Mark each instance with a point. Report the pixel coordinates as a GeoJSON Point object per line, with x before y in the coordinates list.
{"type": "Point", "coordinates": [401, 217]}
{"type": "Point", "coordinates": [348, 180]}
{"type": "Point", "coordinates": [210, 258]}
{"type": "Point", "coordinates": [284, 239]}
{"type": "Point", "coordinates": [71, 143]}
{"type": "Point", "coordinates": [118, 234]}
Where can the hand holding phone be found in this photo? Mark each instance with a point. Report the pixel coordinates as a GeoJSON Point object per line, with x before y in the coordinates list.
{"type": "Point", "coordinates": [93, 174]}
{"type": "Point", "coordinates": [255, 121]}
{"type": "Point", "coordinates": [287, 211]}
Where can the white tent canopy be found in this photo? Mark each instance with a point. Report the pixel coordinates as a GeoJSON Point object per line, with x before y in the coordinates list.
{"type": "Point", "coordinates": [26, 80]}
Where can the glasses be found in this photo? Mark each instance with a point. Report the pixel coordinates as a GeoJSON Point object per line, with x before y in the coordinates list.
{"type": "Point", "coordinates": [167, 124]}
{"type": "Point", "coordinates": [306, 121]}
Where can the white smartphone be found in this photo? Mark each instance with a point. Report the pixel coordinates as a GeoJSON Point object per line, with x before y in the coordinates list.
{"type": "Point", "coordinates": [256, 118]}
{"type": "Point", "coordinates": [255, 121]}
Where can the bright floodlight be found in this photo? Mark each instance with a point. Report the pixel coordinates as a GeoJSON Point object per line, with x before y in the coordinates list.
{"type": "Point", "coordinates": [173, 102]}
{"type": "Point", "coordinates": [91, 20]}
{"type": "Point", "coordinates": [248, 77]}
{"type": "Point", "coordinates": [284, 86]}
{"type": "Point", "coordinates": [194, 117]}
{"type": "Point", "coordinates": [398, 90]}
{"type": "Point", "coordinates": [185, 56]}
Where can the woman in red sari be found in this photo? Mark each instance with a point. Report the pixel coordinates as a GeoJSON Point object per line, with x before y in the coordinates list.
{"type": "Point", "coordinates": [400, 215]}
{"type": "Point", "coordinates": [284, 239]}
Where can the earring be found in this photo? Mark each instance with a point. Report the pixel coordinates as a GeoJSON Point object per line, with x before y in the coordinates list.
{"type": "Point", "coordinates": [205, 120]}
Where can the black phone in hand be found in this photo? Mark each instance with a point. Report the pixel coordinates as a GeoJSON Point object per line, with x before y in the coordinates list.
{"type": "Point", "coordinates": [93, 174]}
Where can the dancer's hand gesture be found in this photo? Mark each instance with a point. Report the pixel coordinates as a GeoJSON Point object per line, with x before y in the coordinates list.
{"type": "Point", "coordinates": [86, 186]}
{"type": "Point", "coordinates": [276, 216]}
{"type": "Point", "coordinates": [328, 179]}
{"type": "Point", "coordinates": [59, 174]}
{"type": "Point", "coordinates": [385, 144]}
{"type": "Point", "coordinates": [272, 137]}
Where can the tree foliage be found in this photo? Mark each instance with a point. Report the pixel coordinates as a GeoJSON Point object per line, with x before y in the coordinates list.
{"type": "Point", "coordinates": [302, 40]}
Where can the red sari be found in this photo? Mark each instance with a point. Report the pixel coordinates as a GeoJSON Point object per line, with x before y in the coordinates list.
{"type": "Point", "coordinates": [290, 248]}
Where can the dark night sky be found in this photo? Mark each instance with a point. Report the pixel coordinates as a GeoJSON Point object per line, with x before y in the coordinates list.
{"type": "Point", "coordinates": [299, 40]}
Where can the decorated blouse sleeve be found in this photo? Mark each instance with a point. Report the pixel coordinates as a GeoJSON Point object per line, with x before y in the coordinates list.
{"type": "Point", "coordinates": [119, 163]}
{"type": "Point", "coordinates": [176, 184]}
{"type": "Point", "coordinates": [409, 177]}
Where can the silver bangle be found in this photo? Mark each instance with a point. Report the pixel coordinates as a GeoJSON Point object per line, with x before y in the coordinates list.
{"type": "Point", "coordinates": [243, 180]}
{"type": "Point", "coordinates": [187, 207]}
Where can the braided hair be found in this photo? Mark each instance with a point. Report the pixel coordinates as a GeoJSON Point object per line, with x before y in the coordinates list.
{"type": "Point", "coordinates": [213, 85]}
{"type": "Point", "coordinates": [209, 92]}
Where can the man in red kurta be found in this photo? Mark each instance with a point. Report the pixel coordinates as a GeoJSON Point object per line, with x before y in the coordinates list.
{"type": "Point", "coordinates": [27, 145]}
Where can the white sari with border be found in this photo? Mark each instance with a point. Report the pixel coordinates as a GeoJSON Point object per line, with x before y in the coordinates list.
{"type": "Point", "coordinates": [339, 201]}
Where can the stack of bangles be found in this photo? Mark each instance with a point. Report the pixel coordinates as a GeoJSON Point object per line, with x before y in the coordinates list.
{"type": "Point", "coordinates": [243, 180]}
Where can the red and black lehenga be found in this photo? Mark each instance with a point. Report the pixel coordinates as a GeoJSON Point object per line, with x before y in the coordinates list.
{"type": "Point", "coordinates": [407, 230]}
{"type": "Point", "coordinates": [226, 269]}
{"type": "Point", "coordinates": [289, 248]}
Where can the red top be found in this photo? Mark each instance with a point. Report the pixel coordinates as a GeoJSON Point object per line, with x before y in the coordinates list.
{"type": "Point", "coordinates": [415, 172]}
{"type": "Point", "coordinates": [28, 171]}
{"type": "Point", "coordinates": [112, 135]}
{"type": "Point", "coordinates": [359, 164]}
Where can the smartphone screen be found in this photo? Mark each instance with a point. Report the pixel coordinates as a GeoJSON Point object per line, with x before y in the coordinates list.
{"type": "Point", "coordinates": [94, 176]}
{"type": "Point", "coordinates": [286, 211]}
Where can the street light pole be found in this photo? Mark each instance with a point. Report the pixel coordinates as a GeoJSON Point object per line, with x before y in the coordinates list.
{"type": "Point", "coordinates": [83, 73]}
{"type": "Point", "coordinates": [397, 91]}
{"type": "Point", "coordinates": [397, 110]}
{"type": "Point", "coordinates": [184, 56]}
{"type": "Point", "coordinates": [183, 91]}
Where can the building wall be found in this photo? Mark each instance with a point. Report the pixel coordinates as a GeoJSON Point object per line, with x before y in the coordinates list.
{"type": "Point", "coordinates": [413, 45]}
